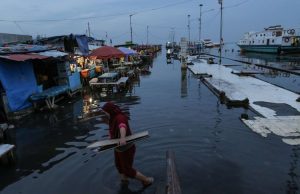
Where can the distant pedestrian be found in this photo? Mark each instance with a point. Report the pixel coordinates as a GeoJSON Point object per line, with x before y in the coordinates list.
{"type": "Point", "coordinates": [124, 154]}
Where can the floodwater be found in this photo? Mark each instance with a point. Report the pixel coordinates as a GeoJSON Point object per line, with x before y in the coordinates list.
{"type": "Point", "coordinates": [215, 152]}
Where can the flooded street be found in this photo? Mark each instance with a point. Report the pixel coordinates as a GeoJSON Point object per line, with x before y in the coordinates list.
{"type": "Point", "coordinates": [215, 152]}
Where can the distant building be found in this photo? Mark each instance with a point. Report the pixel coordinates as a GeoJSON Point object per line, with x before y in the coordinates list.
{"type": "Point", "coordinates": [13, 38]}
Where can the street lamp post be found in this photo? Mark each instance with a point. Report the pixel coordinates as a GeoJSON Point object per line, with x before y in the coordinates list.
{"type": "Point", "coordinates": [221, 28]}
{"type": "Point", "coordinates": [200, 23]}
{"type": "Point", "coordinates": [130, 28]}
{"type": "Point", "coordinates": [189, 27]}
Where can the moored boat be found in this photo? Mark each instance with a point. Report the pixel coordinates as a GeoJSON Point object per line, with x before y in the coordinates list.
{"type": "Point", "coordinates": [169, 53]}
{"type": "Point", "coordinates": [207, 43]}
{"type": "Point", "coordinates": [274, 39]}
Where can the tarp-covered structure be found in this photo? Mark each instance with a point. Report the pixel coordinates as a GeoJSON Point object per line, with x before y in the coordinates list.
{"type": "Point", "coordinates": [19, 83]}
{"type": "Point", "coordinates": [106, 52]}
{"type": "Point", "coordinates": [82, 42]}
{"type": "Point", "coordinates": [68, 43]}
{"type": "Point", "coordinates": [18, 79]}
{"type": "Point", "coordinates": [127, 51]}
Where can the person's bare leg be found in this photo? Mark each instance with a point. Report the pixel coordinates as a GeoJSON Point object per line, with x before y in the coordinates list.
{"type": "Point", "coordinates": [144, 179]}
{"type": "Point", "coordinates": [124, 177]}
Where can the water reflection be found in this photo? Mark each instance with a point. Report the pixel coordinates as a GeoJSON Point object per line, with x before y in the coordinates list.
{"type": "Point", "coordinates": [265, 57]}
{"type": "Point", "coordinates": [287, 64]}
{"type": "Point", "coordinates": [282, 71]}
{"type": "Point", "coordinates": [184, 92]}
{"type": "Point", "coordinates": [169, 60]}
{"type": "Point", "coordinates": [44, 136]}
{"type": "Point", "coordinates": [216, 129]}
{"type": "Point", "coordinates": [124, 189]}
{"type": "Point", "coordinates": [292, 184]}
{"type": "Point", "coordinates": [93, 101]}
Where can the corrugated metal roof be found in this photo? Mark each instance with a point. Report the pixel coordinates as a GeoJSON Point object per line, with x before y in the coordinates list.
{"type": "Point", "coordinates": [53, 53]}
{"type": "Point", "coordinates": [23, 57]}
{"type": "Point", "coordinates": [28, 56]}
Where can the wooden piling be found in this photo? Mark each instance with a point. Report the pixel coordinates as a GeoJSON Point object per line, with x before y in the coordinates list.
{"type": "Point", "coordinates": [173, 185]}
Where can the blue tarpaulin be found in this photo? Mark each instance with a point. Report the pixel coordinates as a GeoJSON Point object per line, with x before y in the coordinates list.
{"type": "Point", "coordinates": [127, 51]}
{"type": "Point", "coordinates": [82, 42]}
{"type": "Point", "coordinates": [74, 81]}
{"type": "Point", "coordinates": [18, 80]}
{"type": "Point", "coordinates": [50, 92]}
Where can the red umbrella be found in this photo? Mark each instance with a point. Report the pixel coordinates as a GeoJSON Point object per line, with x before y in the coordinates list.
{"type": "Point", "coordinates": [106, 52]}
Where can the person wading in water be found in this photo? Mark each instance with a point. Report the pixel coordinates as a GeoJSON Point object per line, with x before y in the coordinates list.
{"type": "Point", "coordinates": [124, 154]}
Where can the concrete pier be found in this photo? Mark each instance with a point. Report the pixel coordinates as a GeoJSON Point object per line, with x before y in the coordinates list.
{"type": "Point", "coordinates": [258, 92]}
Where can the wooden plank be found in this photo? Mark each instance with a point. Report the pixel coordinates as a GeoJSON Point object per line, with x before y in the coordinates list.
{"type": "Point", "coordinates": [5, 148]}
{"type": "Point", "coordinates": [115, 142]}
{"type": "Point", "coordinates": [104, 84]}
{"type": "Point", "coordinates": [93, 81]}
{"type": "Point", "coordinates": [122, 80]}
{"type": "Point", "coordinates": [117, 145]}
{"type": "Point", "coordinates": [111, 75]}
{"type": "Point", "coordinates": [173, 185]}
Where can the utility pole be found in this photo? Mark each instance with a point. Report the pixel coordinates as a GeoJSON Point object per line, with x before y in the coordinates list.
{"type": "Point", "coordinates": [221, 28]}
{"type": "Point", "coordinates": [130, 28]}
{"type": "Point", "coordinates": [200, 22]}
{"type": "Point", "coordinates": [189, 27]}
{"type": "Point", "coordinates": [147, 34]}
{"type": "Point", "coordinates": [89, 30]}
{"type": "Point", "coordinates": [106, 38]}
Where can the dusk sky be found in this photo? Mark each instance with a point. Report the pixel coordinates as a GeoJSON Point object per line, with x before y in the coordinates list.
{"type": "Point", "coordinates": [110, 18]}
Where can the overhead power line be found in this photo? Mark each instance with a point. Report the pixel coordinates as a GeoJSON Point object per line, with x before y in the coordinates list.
{"type": "Point", "coordinates": [95, 17]}
{"type": "Point", "coordinates": [236, 5]}
{"type": "Point", "coordinates": [65, 19]}
{"type": "Point", "coordinates": [19, 27]}
{"type": "Point", "coordinates": [167, 6]}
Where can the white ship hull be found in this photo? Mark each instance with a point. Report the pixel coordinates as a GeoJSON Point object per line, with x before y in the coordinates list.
{"type": "Point", "coordinates": [274, 39]}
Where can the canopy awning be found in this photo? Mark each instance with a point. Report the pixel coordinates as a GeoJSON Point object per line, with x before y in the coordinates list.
{"type": "Point", "coordinates": [106, 52]}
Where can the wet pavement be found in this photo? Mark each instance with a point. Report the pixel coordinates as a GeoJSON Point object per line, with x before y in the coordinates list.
{"type": "Point", "coordinates": [214, 151]}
